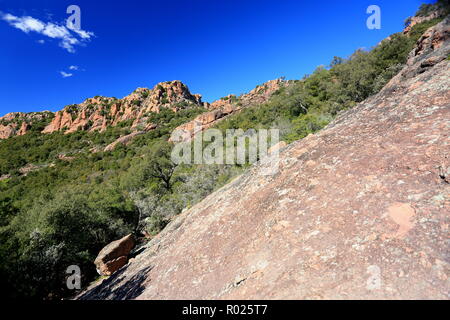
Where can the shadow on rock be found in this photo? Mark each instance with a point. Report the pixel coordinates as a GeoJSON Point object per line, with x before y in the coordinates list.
{"type": "Point", "coordinates": [117, 288]}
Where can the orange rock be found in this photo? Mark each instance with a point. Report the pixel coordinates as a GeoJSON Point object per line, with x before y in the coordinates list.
{"type": "Point", "coordinates": [23, 129]}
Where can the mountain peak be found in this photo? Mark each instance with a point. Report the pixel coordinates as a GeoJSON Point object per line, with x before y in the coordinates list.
{"type": "Point", "coordinates": [99, 112]}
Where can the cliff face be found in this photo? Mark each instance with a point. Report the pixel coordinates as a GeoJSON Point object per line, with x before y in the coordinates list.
{"type": "Point", "coordinates": [359, 210]}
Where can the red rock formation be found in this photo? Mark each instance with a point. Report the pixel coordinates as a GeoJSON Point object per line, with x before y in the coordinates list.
{"type": "Point", "coordinates": [62, 120]}
{"type": "Point", "coordinates": [426, 54]}
{"type": "Point", "coordinates": [412, 21]}
{"type": "Point", "coordinates": [358, 211]}
{"type": "Point", "coordinates": [23, 129]}
{"type": "Point", "coordinates": [123, 140]}
{"type": "Point", "coordinates": [96, 114]}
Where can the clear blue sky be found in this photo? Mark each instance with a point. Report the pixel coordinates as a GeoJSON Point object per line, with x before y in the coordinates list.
{"type": "Point", "coordinates": [216, 47]}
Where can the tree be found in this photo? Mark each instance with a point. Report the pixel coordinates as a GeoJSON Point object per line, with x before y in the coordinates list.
{"type": "Point", "coordinates": [160, 165]}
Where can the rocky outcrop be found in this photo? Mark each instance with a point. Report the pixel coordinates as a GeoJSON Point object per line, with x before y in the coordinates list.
{"type": "Point", "coordinates": [23, 129]}
{"type": "Point", "coordinates": [64, 157]}
{"type": "Point", "coordinates": [358, 211]}
{"type": "Point", "coordinates": [62, 120]}
{"type": "Point", "coordinates": [98, 113]}
{"type": "Point", "coordinates": [33, 167]}
{"type": "Point", "coordinates": [114, 255]}
{"type": "Point", "coordinates": [19, 123]}
{"type": "Point", "coordinates": [7, 131]}
{"type": "Point", "coordinates": [226, 106]}
{"type": "Point", "coordinates": [412, 21]}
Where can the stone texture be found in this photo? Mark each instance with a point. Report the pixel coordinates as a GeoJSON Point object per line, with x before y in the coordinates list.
{"type": "Point", "coordinates": [358, 211]}
{"type": "Point", "coordinates": [114, 255]}
{"type": "Point", "coordinates": [277, 147]}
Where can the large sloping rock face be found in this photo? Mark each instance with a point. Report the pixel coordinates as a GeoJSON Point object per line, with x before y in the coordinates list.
{"type": "Point", "coordinates": [360, 210]}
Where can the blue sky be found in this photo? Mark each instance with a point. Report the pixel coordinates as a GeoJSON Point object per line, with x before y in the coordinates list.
{"type": "Point", "coordinates": [216, 47]}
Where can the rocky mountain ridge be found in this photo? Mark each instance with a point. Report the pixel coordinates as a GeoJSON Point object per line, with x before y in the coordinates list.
{"type": "Point", "coordinates": [98, 113]}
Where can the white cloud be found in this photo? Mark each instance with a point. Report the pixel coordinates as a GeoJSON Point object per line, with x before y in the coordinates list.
{"type": "Point", "coordinates": [73, 68]}
{"type": "Point", "coordinates": [41, 41]}
{"type": "Point", "coordinates": [65, 74]}
{"type": "Point", "coordinates": [69, 38]}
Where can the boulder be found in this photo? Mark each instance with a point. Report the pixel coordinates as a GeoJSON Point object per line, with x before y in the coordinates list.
{"type": "Point", "coordinates": [99, 113]}
{"type": "Point", "coordinates": [359, 210]}
{"type": "Point", "coordinates": [6, 131]}
{"type": "Point", "coordinates": [114, 255]}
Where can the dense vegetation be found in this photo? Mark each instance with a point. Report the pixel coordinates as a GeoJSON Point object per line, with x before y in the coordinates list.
{"type": "Point", "coordinates": [67, 209]}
